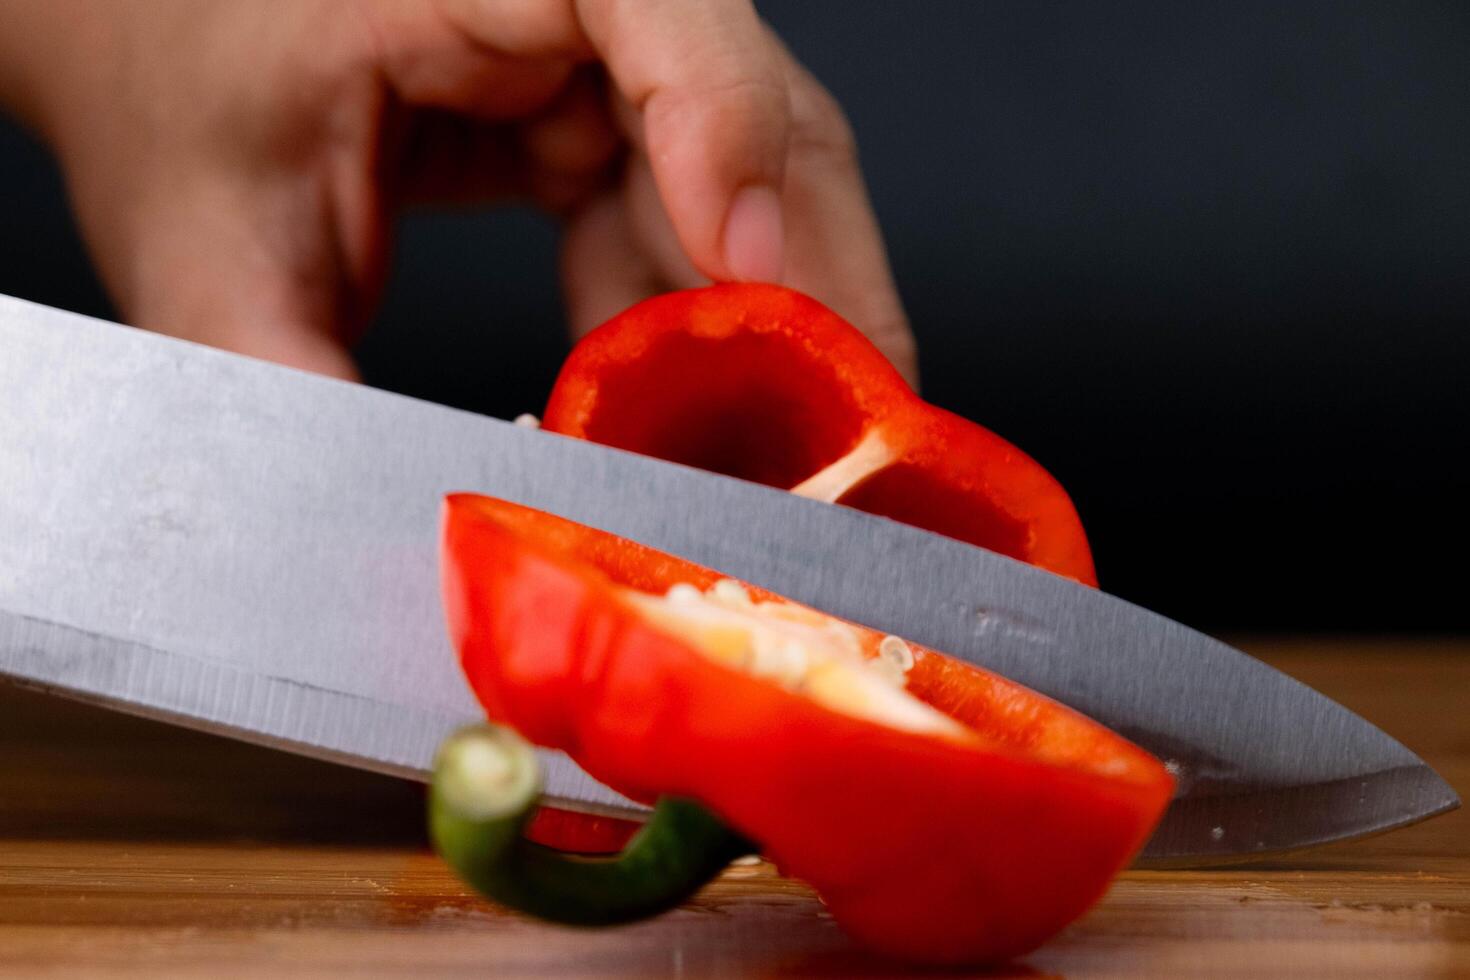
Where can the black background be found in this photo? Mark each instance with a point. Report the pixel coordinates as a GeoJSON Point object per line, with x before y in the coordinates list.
{"type": "Point", "coordinates": [1209, 263]}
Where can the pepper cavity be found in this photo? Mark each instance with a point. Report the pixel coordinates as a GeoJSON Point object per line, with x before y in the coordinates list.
{"type": "Point", "coordinates": [762, 383]}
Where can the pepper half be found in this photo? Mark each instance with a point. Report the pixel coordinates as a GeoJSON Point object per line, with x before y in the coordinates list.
{"type": "Point", "coordinates": [763, 383]}
{"type": "Point", "coordinates": [943, 813]}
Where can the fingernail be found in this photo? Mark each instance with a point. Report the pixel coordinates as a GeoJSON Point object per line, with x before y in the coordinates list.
{"type": "Point", "coordinates": [755, 236]}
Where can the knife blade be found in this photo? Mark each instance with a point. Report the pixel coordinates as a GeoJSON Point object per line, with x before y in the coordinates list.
{"type": "Point", "coordinates": [249, 549]}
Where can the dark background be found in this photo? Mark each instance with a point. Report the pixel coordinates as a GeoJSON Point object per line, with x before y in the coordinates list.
{"type": "Point", "coordinates": [1209, 264]}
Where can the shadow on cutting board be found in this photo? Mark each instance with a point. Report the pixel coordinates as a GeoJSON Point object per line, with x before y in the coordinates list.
{"type": "Point", "coordinates": [71, 770]}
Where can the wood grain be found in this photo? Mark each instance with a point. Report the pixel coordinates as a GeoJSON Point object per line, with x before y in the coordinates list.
{"type": "Point", "coordinates": [132, 849]}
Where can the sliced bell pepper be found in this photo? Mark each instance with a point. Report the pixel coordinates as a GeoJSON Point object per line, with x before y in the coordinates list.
{"type": "Point", "coordinates": [764, 383]}
{"type": "Point", "coordinates": [761, 382]}
{"type": "Point", "coordinates": [943, 813]}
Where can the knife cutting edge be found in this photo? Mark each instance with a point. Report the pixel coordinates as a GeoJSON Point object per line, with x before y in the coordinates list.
{"type": "Point", "coordinates": [251, 550]}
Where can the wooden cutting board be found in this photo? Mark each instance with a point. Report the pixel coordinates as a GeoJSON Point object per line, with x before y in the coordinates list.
{"type": "Point", "coordinates": [133, 849]}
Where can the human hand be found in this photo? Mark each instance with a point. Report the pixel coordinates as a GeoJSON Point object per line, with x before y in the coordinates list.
{"type": "Point", "coordinates": [236, 167]}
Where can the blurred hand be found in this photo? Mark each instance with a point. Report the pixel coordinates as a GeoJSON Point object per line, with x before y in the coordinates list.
{"type": "Point", "coordinates": [236, 165]}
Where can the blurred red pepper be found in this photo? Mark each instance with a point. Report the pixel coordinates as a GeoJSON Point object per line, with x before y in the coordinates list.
{"type": "Point", "coordinates": [974, 842]}
{"type": "Point", "coordinates": [763, 383]}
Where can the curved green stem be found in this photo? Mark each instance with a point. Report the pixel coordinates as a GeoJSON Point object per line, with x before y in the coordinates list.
{"type": "Point", "coordinates": [485, 787]}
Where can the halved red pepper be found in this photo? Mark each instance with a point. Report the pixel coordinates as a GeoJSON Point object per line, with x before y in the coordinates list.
{"type": "Point", "coordinates": [761, 382]}
{"type": "Point", "coordinates": [974, 841]}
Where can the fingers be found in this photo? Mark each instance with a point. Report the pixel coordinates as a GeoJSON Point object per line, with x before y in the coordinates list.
{"type": "Point", "coordinates": [619, 250]}
{"type": "Point", "coordinates": [836, 251]}
{"type": "Point", "coordinates": [653, 232]}
{"type": "Point", "coordinates": [555, 158]}
{"type": "Point", "coordinates": [705, 78]}
{"type": "Point", "coordinates": [488, 59]}
{"type": "Point", "coordinates": [219, 313]}
{"type": "Point", "coordinates": [603, 269]}
{"type": "Point", "coordinates": [706, 81]}
{"type": "Point", "coordinates": [712, 103]}
{"type": "Point", "coordinates": [575, 135]}
{"type": "Point", "coordinates": [743, 166]}
{"type": "Point", "coordinates": [219, 264]}
{"type": "Point", "coordinates": [755, 165]}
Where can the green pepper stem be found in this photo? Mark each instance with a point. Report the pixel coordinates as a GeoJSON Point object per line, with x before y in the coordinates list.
{"type": "Point", "coordinates": [484, 790]}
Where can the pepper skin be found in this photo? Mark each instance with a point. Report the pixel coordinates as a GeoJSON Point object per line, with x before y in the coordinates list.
{"type": "Point", "coordinates": [760, 382]}
{"type": "Point", "coordinates": [949, 849]}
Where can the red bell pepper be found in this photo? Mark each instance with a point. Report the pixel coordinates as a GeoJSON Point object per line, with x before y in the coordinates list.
{"type": "Point", "coordinates": [950, 816]}
{"type": "Point", "coordinates": [760, 382]}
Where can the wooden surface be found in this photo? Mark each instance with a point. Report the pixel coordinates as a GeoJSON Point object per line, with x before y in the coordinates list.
{"type": "Point", "coordinates": [132, 849]}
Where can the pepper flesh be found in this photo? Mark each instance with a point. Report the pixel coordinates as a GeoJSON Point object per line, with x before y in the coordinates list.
{"type": "Point", "coordinates": [926, 847]}
{"type": "Point", "coordinates": [760, 382]}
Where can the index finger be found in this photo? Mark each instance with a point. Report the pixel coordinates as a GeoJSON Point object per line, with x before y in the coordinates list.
{"type": "Point", "coordinates": [711, 99]}
{"type": "Point", "coordinates": [709, 88]}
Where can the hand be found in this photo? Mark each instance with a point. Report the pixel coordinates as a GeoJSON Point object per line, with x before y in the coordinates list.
{"type": "Point", "coordinates": [236, 167]}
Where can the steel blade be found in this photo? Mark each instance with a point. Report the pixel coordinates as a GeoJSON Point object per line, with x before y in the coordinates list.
{"type": "Point", "coordinates": [252, 550]}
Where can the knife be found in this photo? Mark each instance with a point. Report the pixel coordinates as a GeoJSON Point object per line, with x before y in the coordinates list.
{"type": "Point", "coordinates": [251, 550]}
